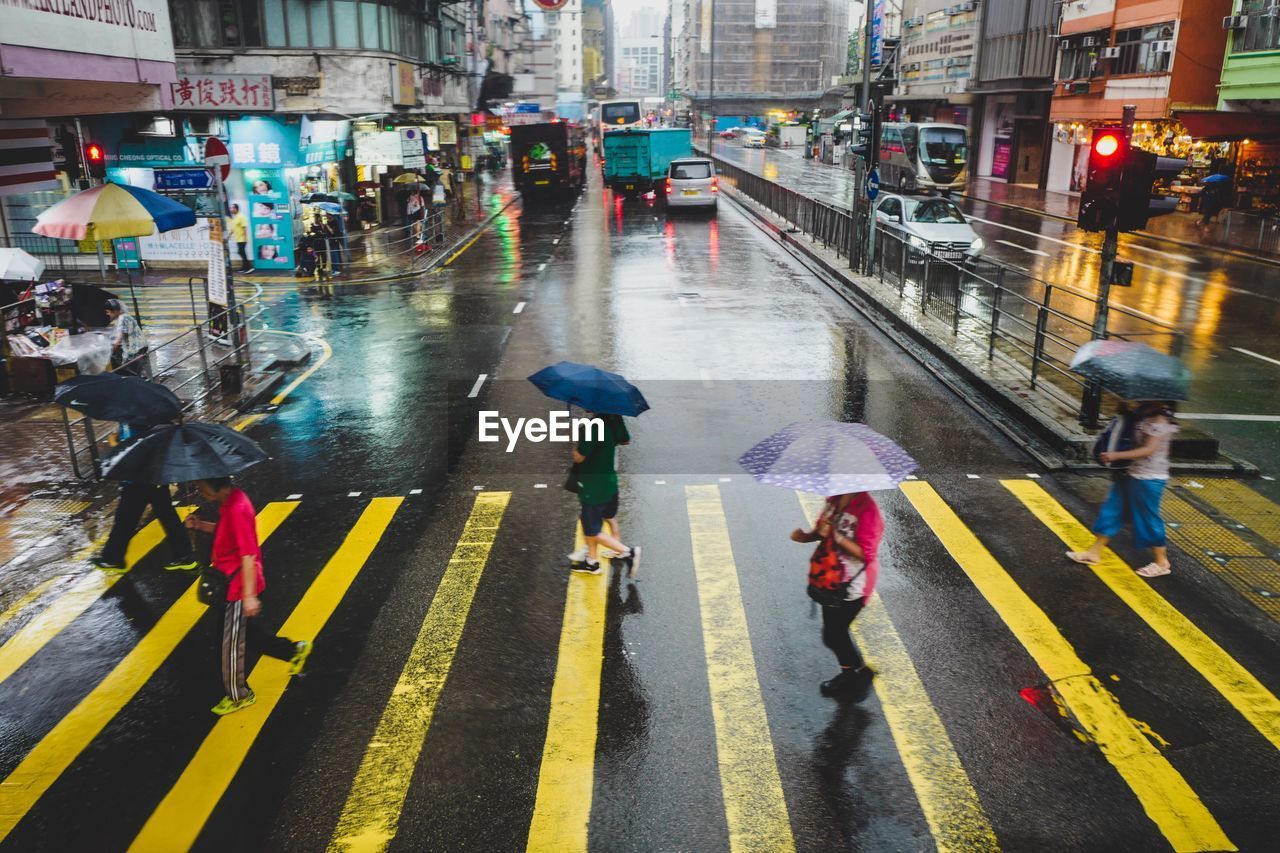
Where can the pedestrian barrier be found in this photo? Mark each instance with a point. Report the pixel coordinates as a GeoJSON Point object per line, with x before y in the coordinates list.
{"type": "Point", "coordinates": [172, 363]}
{"type": "Point", "coordinates": [1250, 231]}
{"type": "Point", "coordinates": [994, 311]}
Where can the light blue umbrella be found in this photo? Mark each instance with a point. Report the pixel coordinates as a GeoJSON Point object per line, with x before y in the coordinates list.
{"type": "Point", "coordinates": [828, 458]}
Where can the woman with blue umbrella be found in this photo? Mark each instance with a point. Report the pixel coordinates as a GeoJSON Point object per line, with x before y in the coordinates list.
{"type": "Point", "coordinates": [594, 476]}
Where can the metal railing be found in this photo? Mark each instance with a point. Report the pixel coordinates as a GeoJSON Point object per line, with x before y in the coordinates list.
{"type": "Point", "coordinates": [995, 311]}
{"type": "Point", "coordinates": [1251, 231]}
{"type": "Point", "coordinates": [173, 363]}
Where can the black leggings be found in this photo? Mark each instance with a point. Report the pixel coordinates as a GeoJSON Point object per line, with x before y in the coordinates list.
{"type": "Point", "coordinates": [835, 632]}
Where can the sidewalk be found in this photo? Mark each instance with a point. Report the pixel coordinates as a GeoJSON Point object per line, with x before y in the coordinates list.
{"type": "Point", "coordinates": [48, 511]}
{"type": "Point", "coordinates": [1181, 228]}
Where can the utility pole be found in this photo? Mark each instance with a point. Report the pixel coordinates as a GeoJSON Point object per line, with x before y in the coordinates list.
{"type": "Point", "coordinates": [1092, 403]}
{"type": "Point", "coordinates": [866, 57]}
{"type": "Point", "coordinates": [711, 81]}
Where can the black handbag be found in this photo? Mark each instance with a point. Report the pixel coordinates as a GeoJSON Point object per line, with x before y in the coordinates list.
{"type": "Point", "coordinates": [571, 484]}
{"type": "Point", "coordinates": [212, 586]}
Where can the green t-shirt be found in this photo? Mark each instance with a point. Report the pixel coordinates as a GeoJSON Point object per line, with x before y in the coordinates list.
{"type": "Point", "coordinates": [597, 477]}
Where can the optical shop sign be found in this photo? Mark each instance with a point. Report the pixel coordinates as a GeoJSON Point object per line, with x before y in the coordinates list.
{"type": "Point", "coordinates": [137, 29]}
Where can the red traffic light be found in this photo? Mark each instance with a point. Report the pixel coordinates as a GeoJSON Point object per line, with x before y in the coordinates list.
{"type": "Point", "coordinates": [1106, 145]}
{"type": "Point", "coordinates": [93, 153]}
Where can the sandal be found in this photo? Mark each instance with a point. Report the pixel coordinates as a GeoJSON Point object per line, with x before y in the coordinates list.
{"type": "Point", "coordinates": [1082, 558]}
{"type": "Point", "coordinates": [1152, 570]}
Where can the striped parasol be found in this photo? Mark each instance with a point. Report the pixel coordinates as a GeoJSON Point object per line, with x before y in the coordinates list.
{"type": "Point", "coordinates": [111, 211]}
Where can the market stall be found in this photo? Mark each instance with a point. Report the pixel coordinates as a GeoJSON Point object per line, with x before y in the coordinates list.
{"type": "Point", "coordinates": [51, 331]}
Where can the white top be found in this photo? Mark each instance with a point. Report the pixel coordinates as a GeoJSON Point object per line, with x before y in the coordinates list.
{"type": "Point", "coordinates": [1155, 466]}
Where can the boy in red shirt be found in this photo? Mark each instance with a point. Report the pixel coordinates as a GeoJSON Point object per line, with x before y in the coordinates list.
{"type": "Point", "coordinates": [237, 555]}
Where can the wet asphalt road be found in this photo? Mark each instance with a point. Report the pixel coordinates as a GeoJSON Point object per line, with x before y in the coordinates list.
{"type": "Point", "coordinates": [730, 339]}
{"type": "Point", "coordinates": [1227, 307]}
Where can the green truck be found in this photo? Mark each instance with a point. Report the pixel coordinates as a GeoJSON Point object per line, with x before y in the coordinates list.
{"type": "Point", "coordinates": [636, 159]}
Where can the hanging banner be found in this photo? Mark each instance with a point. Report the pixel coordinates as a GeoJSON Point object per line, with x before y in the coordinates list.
{"type": "Point", "coordinates": [766, 14]}
{"type": "Point", "coordinates": [377, 148]}
{"type": "Point", "coordinates": [270, 223]}
{"type": "Point", "coordinates": [704, 27]}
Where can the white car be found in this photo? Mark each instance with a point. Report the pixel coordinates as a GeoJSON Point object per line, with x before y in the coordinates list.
{"type": "Point", "coordinates": [692, 182]}
{"type": "Point", "coordinates": [752, 139]}
{"type": "Point", "coordinates": [929, 224]}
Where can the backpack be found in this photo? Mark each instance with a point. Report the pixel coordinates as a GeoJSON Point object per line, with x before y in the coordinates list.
{"type": "Point", "coordinates": [1118, 436]}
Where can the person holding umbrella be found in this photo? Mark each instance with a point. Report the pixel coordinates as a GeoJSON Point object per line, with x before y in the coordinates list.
{"type": "Point", "coordinates": [1138, 481]}
{"type": "Point", "coordinates": [594, 476]}
{"type": "Point", "coordinates": [238, 555]}
{"type": "Point", "coordinates": [138, 405]}
{"type": "Point", "coordinates": [843, 461]}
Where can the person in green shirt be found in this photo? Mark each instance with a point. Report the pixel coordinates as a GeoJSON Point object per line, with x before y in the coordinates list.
{"type": "Point", "coordinates": [598, 495]}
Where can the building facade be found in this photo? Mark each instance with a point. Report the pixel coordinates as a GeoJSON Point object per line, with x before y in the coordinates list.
{"type": "Point", "coordinates": [640, 66]}
{"type": "Point", "coordinates": [1014, 81]}
{"type": "Point", "coordinates": [1162, 56]}
{"type": "Point", "coordinates": [937, 57]}
{"type": "Point", "coordinates": [768, 54]}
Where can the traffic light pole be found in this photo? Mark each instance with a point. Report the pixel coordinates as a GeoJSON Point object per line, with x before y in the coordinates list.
{"type": "Point", "coordinates": [1091, 404]}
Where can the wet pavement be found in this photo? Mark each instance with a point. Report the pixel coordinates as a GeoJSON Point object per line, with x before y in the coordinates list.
{"type": "Point", "coordinates": [467, 693]}
{"type": "Point", "coordinates": [1227, 307]}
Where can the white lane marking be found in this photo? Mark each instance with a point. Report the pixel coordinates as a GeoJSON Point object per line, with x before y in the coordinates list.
{"type": "Point", "coordinates": [415, 491]}
{"type": "Point", "coordinates": [555, 241]}
{"type": "Point", "coordinates": [1195, 485]}
{"type": "Point", "coordinates": [519, 307]}
{"type": "Point", "coordinates": [1091, 250]}
{"type": "Point", "coordinates": [1268, 477]}
{"type": "Point", "coordinates": [706, 377]}
{"type": "Point", "coordinates": [912, 477]}
{"type": "Point", "coordinates": [293, 497]}
{"type": "Point", "coordinates": [1024, 248]}
{"type": "Point", "coordinates": [726, 479]}
{"type": "Point", "coordinates": [475, 389]}
{"type": "Point", "coordinates": [1184, 258]}
{"type": "Point", "coordinates": [1033, 476]}
{"type": "Point", "coordinates": [1256, 355]}
{"type": "Point", "coordinates": [659, 482]}
{"type": "Point", "coordinates": [1205, 416]}
{"type": "Point", "coordinates": [477, 488]}
{"type": "Point", "coordinates": [539, 485]}
{"type": "Point", "coordinates": [973, 476]}
{"type": "Point", "coordinates": [542, 266]}
{"type": "Point", "coordinates": [353, 494]}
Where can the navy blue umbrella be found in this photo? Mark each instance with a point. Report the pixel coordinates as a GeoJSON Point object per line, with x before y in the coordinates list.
{"type": "Point", "coordinates": [183, 452]}
{"type": "Point", "coordinates": [590, 388]}
{"type": "Point", "coordinates": [115, 397]}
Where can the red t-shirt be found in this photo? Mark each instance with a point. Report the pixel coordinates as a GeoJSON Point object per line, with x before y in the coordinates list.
{"type": "Point", "coordinates": [235, 537]}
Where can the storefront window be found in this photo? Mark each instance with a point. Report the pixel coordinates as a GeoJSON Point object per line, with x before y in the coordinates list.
{"type": "Point", "coordinates": [1138, 53]}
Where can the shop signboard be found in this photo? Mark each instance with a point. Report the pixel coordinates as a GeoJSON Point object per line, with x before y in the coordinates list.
{"type": "Point", "coordinates": [324, 141]}
{"type": "Point", "coordinates": [123, 148]}
{"type": "Point", "coordinates": [134, 29]}
{"type": "Point", "coordinates": [377, 148]}
{"type": "Point", "coordinates": [412, 155]}
{"type": "Point", "coordinates": [264, 142]}
{"type": "Point", "coordinates": [404, 84]}
{"type": "Point", "coordinates": [216, 274]}
{"type": "Point", "coordinates": [1000, 157]}
{"type": "Point", "coordinates": [127, 255]}
{"type": "Point", "coordinates": [877, 33]}
{"type": "Point", "coordinates": [180, 244]}
{"type": "Point", "coordinates": [447, 132]}
{"type": "Point", "coordinates": [223, 92]}
{"type": "Point", "coordinates": [270, 220]}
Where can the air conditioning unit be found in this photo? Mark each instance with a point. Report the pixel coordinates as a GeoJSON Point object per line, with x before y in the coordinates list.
{"type": "Point", "coordinates": [1110, 53]}
{"type": "Point", "coordinates": [1088, 41]}
{"type": "Point", "coordinates": [970, 6]}
{"type": "Point", "coordinates": [1162, 47]}
{"type": "Point", "coordinates": [953, 10]}
{"type": "Point", "coordinates": [951, 61]}
{"type": "Point", "coordinates": [1235, 22]}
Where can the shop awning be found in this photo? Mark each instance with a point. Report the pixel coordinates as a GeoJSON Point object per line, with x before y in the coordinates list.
{"type": "Point", "coordinates": [1223, 126]}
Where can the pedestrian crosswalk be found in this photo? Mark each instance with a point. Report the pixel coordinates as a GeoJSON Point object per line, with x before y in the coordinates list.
{"type": "Point", "coordinates": [757, 791]}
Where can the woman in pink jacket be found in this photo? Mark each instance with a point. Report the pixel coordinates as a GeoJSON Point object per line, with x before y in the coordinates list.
{"type": "Point", "coordinates": [850, 526]}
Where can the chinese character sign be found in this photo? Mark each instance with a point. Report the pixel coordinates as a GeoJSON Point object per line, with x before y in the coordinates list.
{"type": "Point", "coordinates": [241, 92]}
{"type": "Point", "coordinates": [263, 141]}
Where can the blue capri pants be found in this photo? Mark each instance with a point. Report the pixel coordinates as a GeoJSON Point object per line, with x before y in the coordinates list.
{"type": "Point", "coordinates": [1135, 501]}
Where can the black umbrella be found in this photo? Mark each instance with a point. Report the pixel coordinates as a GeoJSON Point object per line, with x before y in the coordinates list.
{"type": "Point", "coordinates": [181, 453]}
{"type": "Point", "coordinates": [115, 397]}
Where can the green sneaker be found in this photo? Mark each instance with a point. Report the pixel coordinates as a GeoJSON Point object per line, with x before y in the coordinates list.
{"type": "Point", "coordinates": [302, 651]}
{"type": "Point", "coordinates": [230, 706]}
{"type": "Point", "coordinates": [182, 565]}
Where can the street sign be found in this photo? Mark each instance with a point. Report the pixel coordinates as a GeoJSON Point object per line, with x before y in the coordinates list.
{"type": "Point", "coordinates": [412, 154]}
{"type": "Point", "coordinates": [873, 184]}
{"type": "Point", "coordinates": [183, 179]}
{"type": "Point", "coordinates": [217, 156]}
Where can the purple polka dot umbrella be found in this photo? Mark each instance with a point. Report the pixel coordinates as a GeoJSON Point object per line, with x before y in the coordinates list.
{"type": "Point", "coordinates": [828, 458]}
